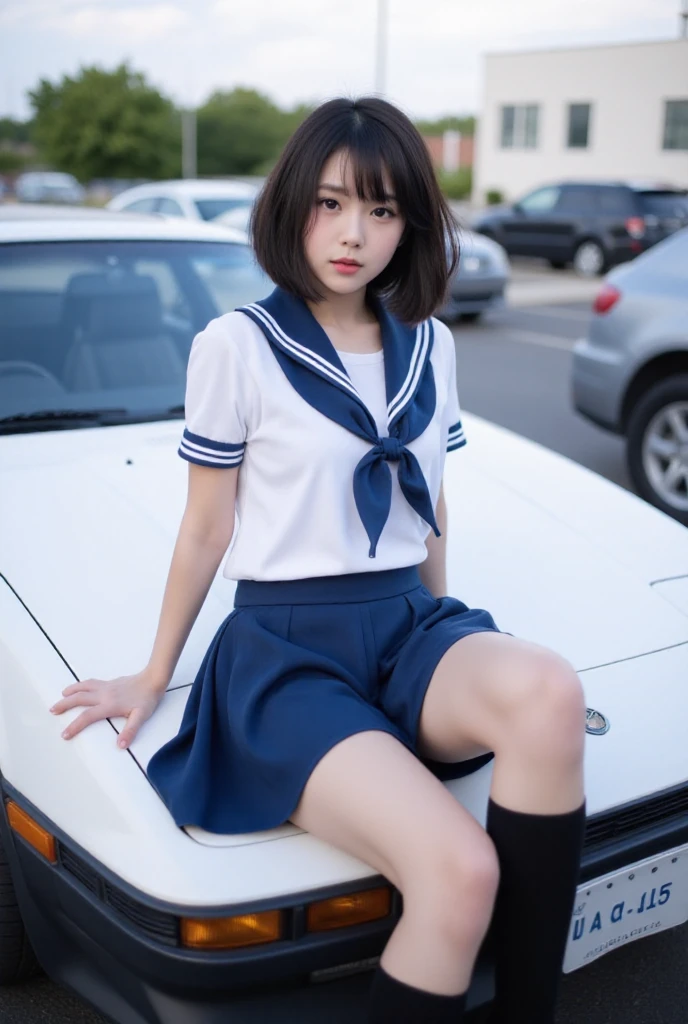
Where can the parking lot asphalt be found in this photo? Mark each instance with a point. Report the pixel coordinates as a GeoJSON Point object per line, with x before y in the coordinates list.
{"type": "Point", "coordinates": [513, 369]}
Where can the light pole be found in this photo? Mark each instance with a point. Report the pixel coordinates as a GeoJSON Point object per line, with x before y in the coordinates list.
{"type": "Point", "coordinates": [189, 169]}
{"type": "Point", "coordinates": [381, 49]}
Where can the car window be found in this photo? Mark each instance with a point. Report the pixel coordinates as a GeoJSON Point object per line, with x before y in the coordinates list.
{"type": "Point", "coordinates": [616, 202]}
{"type": "Point", "coordinates": [170, 207]}
{"type": "Point", "coordinates": [228, 275]}
{"type": "Point", "coordinates": [209, 209]}
{"type": "Point", "coordinates": [577, 199]}
{"type": "Point", "coordinates": [543, 200]}
{"type": "Point", "coordinates": [664, 204]}
{"type": "Point", "coordinates": [146, 205]}
{"type": "Point", "coordinates": [102, 325]}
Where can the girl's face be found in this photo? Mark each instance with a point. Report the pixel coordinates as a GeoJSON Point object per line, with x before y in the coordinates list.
{"type": "Point", "coordinates": [349, 241]}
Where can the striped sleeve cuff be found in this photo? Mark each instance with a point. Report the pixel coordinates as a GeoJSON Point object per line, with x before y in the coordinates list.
{"type": "Point", "coordinates": [205, 452]}
{"type": "Point", "coordinates": [456, 438]}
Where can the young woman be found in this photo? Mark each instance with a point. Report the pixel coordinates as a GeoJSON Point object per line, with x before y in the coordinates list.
{"type": "Point", "coordinates": [323, 413]}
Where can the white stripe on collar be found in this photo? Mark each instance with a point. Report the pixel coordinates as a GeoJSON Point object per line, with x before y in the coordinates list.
{"type": "Point", "coordinates": [415, 369]}
{"type": "Point", "coordinates": [302, 351]}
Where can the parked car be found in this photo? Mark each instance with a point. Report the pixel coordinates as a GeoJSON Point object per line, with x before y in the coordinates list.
{"type": "Point", "coordinates": [169, 924]}
{"type": "Point", "coordinates": [593, 225]}
{"type": "Point", "coordinates": [479, 282]}
{"type": "Point", "coordinates": [630, 373]}
{"type": "Point", "coordinates": [195, 199]}
{"type": "Point", "coordinates": [48, 187]}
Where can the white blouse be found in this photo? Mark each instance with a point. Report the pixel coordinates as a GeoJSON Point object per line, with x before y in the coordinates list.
{"type": "Point", "coordinates": [296, 514]}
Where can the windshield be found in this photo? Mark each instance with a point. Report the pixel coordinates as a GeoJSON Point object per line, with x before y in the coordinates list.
{"type": "Point", "coordinates": [106, 327]}
{"type": "Point", "coordinates": [209, 209]}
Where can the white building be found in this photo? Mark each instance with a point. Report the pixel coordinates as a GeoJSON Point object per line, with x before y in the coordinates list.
{"type": "Point", "coordinates": [595, 112]}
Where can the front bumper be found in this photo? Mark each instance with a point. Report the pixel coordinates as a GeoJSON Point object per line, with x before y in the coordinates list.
{"type": "Point", "coordinates": [597, 384]}
{"type": "Point", "coordinates": [89, 946]}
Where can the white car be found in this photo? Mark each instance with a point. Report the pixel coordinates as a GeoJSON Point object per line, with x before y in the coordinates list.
{"type": "Point", "coordinates": [154, 923]}
{"type": "Point", "coordinates": [194, 199]}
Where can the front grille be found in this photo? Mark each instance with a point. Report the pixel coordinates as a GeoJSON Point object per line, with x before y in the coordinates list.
{"type": "Point", "coordinates": [637, 817]}
{"type": "Point", "coordinates": [79, 869]}
{"type": "Point", "coordinates": [155, 923]}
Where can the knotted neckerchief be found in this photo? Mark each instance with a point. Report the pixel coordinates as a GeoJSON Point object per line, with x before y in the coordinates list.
{"type": "Point", "coordinates": [311, 364]}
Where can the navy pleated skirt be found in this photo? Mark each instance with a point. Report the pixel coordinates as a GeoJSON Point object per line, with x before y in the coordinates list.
{"type": "Point", "coordinates": [297, 667]}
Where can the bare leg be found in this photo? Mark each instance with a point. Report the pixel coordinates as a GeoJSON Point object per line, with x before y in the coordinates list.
{"type": "Point", "coordinates": [491, 691]}
{"type": "Point", "coordinates": [526, 704]}
{"type": "Point", "coordinates": [372, 798]}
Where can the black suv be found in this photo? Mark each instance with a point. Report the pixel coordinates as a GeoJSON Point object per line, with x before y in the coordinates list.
{"type": "Point", "coordinates": [593, 225]}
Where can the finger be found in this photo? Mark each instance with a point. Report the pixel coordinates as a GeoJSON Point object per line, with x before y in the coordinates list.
{"type": "Point", "coordinates": [134, 722]}
{"type": "Point", "coordinates": [82, 699]}
{"type": "Point", "coordinates": [83, 684]}
{"type": "Point", "coordinates": [86, 718]}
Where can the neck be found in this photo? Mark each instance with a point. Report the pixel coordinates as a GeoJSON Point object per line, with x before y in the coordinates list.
{"type": "Point", "coordinates": [342, 311]}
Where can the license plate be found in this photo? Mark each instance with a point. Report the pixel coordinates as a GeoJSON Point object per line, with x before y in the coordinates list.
{"type": "Point", "coordinates": [643, 899]}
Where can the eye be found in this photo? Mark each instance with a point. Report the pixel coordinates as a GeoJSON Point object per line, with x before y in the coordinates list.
{"type": "Point", "coordinates": [322, 202]}
{"type": "Point", "coordinates": [383, 210]}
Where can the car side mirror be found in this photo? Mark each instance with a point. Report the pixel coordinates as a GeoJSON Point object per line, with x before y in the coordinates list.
{"type": "Point", "coordinates": [517, 208]}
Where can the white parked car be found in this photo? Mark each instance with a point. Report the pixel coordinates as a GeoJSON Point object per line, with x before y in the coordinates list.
{"type": "Point", "coordinates": [195, 199]}
{"type": "Point", "coordinates": [48, 187]}
{"type": "Point", "coordinates": [157, 924]}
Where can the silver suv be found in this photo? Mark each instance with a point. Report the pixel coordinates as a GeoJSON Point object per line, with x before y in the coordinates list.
{"type": "Point", "coordinates": [630, 374]}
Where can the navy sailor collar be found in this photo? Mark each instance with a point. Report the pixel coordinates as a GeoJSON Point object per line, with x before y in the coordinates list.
{"type": "Point", "coordinates": [313, 367]}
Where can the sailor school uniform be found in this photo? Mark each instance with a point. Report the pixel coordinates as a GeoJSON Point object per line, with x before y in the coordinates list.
{"type": "Point", "coordinates": [332, 632]}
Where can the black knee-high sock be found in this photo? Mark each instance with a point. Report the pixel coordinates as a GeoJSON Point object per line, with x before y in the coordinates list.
{"type": "Point", "coordinates": [395, 1002]}
{"type": "Point", "coordinates": [539, 856]}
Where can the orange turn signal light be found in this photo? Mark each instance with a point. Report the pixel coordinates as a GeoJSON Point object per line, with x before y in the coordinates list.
{"type": "Point", "coordinates": [232, 932]}
{"type": "Point", "coordinates": [354, 908]}
{"type": "Point", "coordinates": [34, 834]}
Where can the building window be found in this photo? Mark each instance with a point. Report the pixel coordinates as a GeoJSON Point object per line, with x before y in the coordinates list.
{"type": "Point", "coordinates": [676, 124]}
{"type": "Point", "coordinates": [579, 125]}
{"type": "Point", "coordinates": [520, 127]}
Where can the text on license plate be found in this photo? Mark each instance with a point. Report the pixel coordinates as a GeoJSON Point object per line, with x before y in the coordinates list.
{"type": "Point", "coordinates": [642, 899]}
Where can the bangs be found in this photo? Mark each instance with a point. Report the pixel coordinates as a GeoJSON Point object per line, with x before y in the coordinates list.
{"type": "Point", "coordinates": [374, 152]}
{"type": "Point", "coordinates": [377, 142]}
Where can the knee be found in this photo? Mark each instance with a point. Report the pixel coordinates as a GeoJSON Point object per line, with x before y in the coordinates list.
{"type": "Point", "coordinates": [550, 703]}
{"type": "Point", "coordinates": [455, 891]}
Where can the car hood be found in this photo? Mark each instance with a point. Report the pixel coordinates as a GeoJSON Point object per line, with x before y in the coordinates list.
{"type": "Point", "coordinates": [88, 521]}
{"type": "Point", "coordinates": [89, 518]}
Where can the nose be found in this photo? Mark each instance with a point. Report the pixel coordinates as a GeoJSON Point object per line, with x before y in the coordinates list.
{"type": "Point", "coordinates": [351, 228]}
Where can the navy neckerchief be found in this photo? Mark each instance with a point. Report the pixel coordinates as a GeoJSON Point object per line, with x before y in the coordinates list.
{"type": "Point", "coordinates": [311, 364]}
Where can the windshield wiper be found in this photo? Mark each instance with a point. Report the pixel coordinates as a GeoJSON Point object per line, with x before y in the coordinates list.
{"type": "Point", "coordinates": [61, 417]}
{"type": "Point", "coordinates": [65, 418]}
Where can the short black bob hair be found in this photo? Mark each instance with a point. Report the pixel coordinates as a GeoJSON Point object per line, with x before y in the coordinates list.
{"type": "Point", "coordinates": [376, 136]}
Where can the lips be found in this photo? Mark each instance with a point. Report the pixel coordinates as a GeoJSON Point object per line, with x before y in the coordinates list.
{"type": "Point", "coordinates": [347, 263]}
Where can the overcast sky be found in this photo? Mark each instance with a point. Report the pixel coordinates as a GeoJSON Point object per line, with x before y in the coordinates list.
{"type": "Point", "coordinates": [305, 50]}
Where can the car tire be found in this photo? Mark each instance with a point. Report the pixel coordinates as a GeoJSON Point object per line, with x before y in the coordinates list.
{"type": "Point", "coordinates": [647, 469]}
{"type": "Point", "coordinates": [470, 318]}
{"type": "Point", "coordinates": [17, 959]}
{"type": "Point", "coordinates": [590, 258]}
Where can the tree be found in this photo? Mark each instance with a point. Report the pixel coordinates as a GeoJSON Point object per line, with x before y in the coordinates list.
{"type": "Point", "coordinates": [107, 124]}
{"type": "Point", "coordinates": [15, 131]}
{"type": "Point", "coordinates": [243, 132]}
{"type": "Point", "coordinates": [465, 125]}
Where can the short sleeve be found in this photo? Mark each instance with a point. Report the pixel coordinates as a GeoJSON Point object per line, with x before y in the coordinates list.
{"type": "Point", "coordinates": [216, 385]}
{"type": "Point", "coordinates": [452, 413]}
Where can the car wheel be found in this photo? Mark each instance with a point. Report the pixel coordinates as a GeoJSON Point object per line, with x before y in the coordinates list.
{"type": "Point", "coordinates": [17, 958]}
{"type": "Point", "coordinates": [589, 259]}
{"type": "Point", "coordinates": [470, 318]}
{"type": "Point", "coordinates": [657, 447]}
